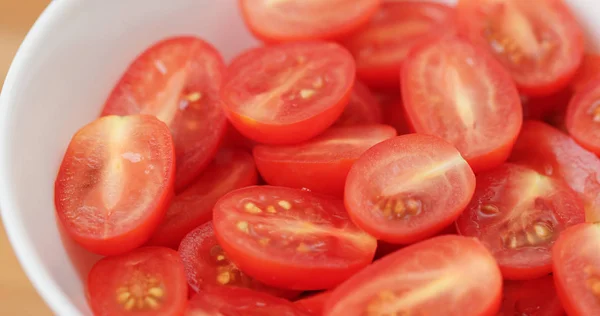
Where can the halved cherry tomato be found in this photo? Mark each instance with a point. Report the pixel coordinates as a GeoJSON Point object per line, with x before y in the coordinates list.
{"type": "Point", "coordinates": [207, 265]}
{"type": "Point", "coordinates": [291, 238]}
{"type": "Point", "coordinates": [518, 213]}
{"type": "Point", "coordinates": [393, 112]}
{"type": "Point", "coordinates": [362, 109]}
{"type": "Point", "coordinates": [293, 20]}
{"type": "Point", "coordinates": [457, 91]}
{"type": "Point", "coordinates": [381, 46]}
{"type": "Point", "coordinates": [230, 170]}
{"type": "Point", "coordinates": [233, 301]}
{"type": "Point", "coordinates": [583, 116]}
{"type": "Point", "coordinates": [453, 274]}
{"type": "Point", "coordinates": [553, 153]}
{"type": "Point", "coordinates": [147, 281]}
{"type": "Point", "coordinates": [588, 71]}
{"type": "Point", "coordinates": [315, 303]}
{"type": "Point", "coordinates": [408, 188]}
{"type": "Point", "coordinates": [288, 93]}
{"type": "Point", "coordinates": [322, 163]}
{"type": "Point", "coordinates": [115, 182]}
{"type": "Point", "coordinates": [178, 81]}
{"type": "Point", "coordinates": [576, 266]}
{"type": "Point", "coordinates": [530, 298]}
{"type": "Point", "coordinates": [539, 42]}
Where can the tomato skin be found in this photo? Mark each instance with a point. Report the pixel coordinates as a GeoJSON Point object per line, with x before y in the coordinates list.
{"type": "Point", "coordinates": [80, 183]}
{"type": "Point", "coordinates": [420, 267]}
{"type": "Point", "coordinates": [587, 72]}
{"type": "Point", "coordinates": [362, 109]}
{"type": "Point", "coordinates": [533, 297]}
{"type": "Point", "coordinates": [315, 303]}
{"type": "Point", "coordinates": [583, 115]}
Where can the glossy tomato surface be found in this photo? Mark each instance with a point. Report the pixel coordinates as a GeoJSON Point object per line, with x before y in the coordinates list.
{"type": "Point", "coordinates": [535, 297]}
{"type": "Point", "coordinates": [147, 281]}
{"type": "Point", "coordinates": [288, 93]}
{"type": "Point", "coordinates": [362, 108]}
{"type": "Point", "coordinates": [115, 182]}
{"type": "Point", "coordinates": [314, 304]}
{"type": "Point", "coordinates": [291, 238]}
{"type": "Point", "coordinates": [230, 170]}
{"type": "Point", "coordinates": [518, 214]}
{"type": "Point", "coordinates": [178, 81]}
{"type": "Point", "coordinates": [408, 188]}
{"type": "Point", "coordinates": [322, 163]}
{"type": "Point", "coordinates": [457, 91]}
{"type": "Point", "coordinates": [453, 274]}
{"type": "Point", "coordinates": [539, 42]}
{"type": "Point", "coordinates": [583, 116]}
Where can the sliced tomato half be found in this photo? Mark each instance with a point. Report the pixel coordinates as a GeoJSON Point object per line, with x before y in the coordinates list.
{"type": "Point", "coordinates": [583, 116]}
{"type": "Point", "coordinates": [535, 297]}
{"type": "Point", "coordinates": [362, 108]}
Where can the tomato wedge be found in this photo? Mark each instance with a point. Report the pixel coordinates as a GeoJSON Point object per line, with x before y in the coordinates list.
{"type": "Point", "coordinates": [315, 303]}
{"type": "Point", "coordinates": [230, 170]}
{"type": "Point", "coordinates": [294, 20]}
{"type": "Point", "coordinates": [178, 81]}
{"type": "Point", "coordinates": [539, 42]}
{"type": "Point", "coordinates": [457, 91]}
{"type": "Point", "coordinates": [381, 46]}
{"type": "Point", "coordinates": [288, 93]}
{"type": "Point", "coordinates": [362, 109]}
{"type": "Point", "coordinates": [583, 117]}
{"type": "Point", "coordinates": [146, 281]}
{"type": "Point", "coordinates": [576, 266]}
{"type": "Point", "coordinates": [408, 188]}
{"type": "Point", "coordinates": [588, 71]}
{"type": "Point", "coordinates": [453, 274]}
{"type": "Point", "coordinates": [518, 213]}
{"type": "Point", "coordinates": [553, 153]}
{"type": "Point", "coordinates": [291, 238]}
{"type": "Point", "coordinates": [322, 163]}
{"type": "Point", "coordinates": [532, 297]}
{"type": "Point", "coordinates": [115, 182]}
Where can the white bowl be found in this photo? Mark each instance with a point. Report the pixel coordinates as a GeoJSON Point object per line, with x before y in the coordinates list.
{"type": "Point", "coordinates": [58, 82]}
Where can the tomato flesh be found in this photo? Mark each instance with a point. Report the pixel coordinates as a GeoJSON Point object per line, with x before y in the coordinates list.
{"type": "Point", "coordinates": [532, 297]}
{"type": "Point", "coordinates": [362, 108]}
{"type": "Point", "coordinates": [583, 117]}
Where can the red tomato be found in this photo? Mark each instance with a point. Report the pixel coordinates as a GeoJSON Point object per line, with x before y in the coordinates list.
{"type": "Point", "coordinates": [207, 265]}
{"type": "Point", "coordinates": [115, 182]}
{"type": "Point", "coordinates": [293, 20]}
{"type": "Point", "coordinates": [456, 91]}
{"type": "Point", "coordinates": [288, 93]}
{"type": "Point", "coordinates": [583, 117]}
{"type": "Point", "coordinates": [538, 42]}
{"type": "Point", "coordinates": [588, 71]}
{"type": "Point", "coordinates": [518, 213]}
{"type": "Point", "coordinates": [147, 281]}
{"type": "Point", "coordinates": [381, 47]}
{"type": "Point", "coordinates": [553, 153]}
{"type": "Point", "coordinates": [576, 266]}
{"type": "Point", "coordinates": [231, 169]}
{"type": "Point", "coordinates": [178, 81]}
{"type": "Point", "coordinates": [408, 188]}
{"type": "Point", "coordinates": [453, 274]}
{"type": "Point", "coordinates": [393, 112]}
{"type": "Point", "coordinates": [322, 163]}
{"type": "Point", "coordinates": [530, 298]}
{"type": "Point", "coordinates": [362, 109]}
{"type": "Point", "coordinates": [233, 139]}
{"type": "Point", "coordinates": [315, 303]}
{"type": "Point", "coordinates": [291, 238]}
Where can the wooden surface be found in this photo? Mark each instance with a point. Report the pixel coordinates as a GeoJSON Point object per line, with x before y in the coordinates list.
{"type": "Point", "coordinates": [17, 295]}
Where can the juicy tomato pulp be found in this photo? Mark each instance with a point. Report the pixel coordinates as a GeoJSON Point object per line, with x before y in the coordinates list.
{"type": "Point", "coordinates": [517, 214]}
{"type": "Point", "coordinates": [115, 182]}
{"type": "Point", "coordinates": [146, 281]}
{"type": "Point", "coordinates": [178, 81]}
{"type": "Point", "coordinates": [381, 46]}
{"type": "Point", "coordinates": [532, 297]}
{"type": "Point", "coordinates": [453, 274]}
{"type": "Point", "coordinates": [583, 116]}
{"type": "Point", "coordinates": [322, 163]}
{"type": "Point", "coordinates": [315, 303]}
{"type": "Point", "coordinates": [456, 91]}
{"type": "Point", "coordinates": [362, 108]}
{"type": "Point", "coordinates": [408, 188]}
{"type": "Point", "coordinates": [230, 170]}
{"type": "Point", "coordinates": [538, 42]}
{"type": "Point", "coordinates": [288, 93]}
{"type": "Point", "coordinates": [553, 153]}
{"type": "Point", "coordinates": [281, 20]}
{"type": "Point", "coordinates": [291, 238]}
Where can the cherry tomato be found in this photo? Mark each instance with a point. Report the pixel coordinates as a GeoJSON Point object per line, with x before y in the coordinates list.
{"type": "Point", "coordinates": [530, 298]}
{"type": "Point", "coordinates": [588, 71]}
{"type": "Point", "coordinates": [178, 81]}
{"type": "Point", "coordinates": [315, 303]}
{"type": "Point", "coordinates": [291, 238]}
{"type": "Point", "coordinates": [230, 170]}
{"type": "Point", "coordinates": [362, 109]}
{"type": "Point", "coordinates": [293, 20]}
{"type": "Point", "coordinates": [583, 116]}
{"type": "Point", "coordinates": [115, 182]}
{"type": "Point", "coordinates": [518, 213]}
{"type": "Point", "coordinates": [381, 46]}
{"type": "Point", "coordinates": [553, 153]}
{"type": "Point", "coordinates": [322, 163]}
{"type": "Point", "coordinates": [457, 91]}
{"type": "Point", "coordinates": [408, 188]}
{"type": "Point", "coordinates": [538, 42]}
{"type": "Point", "coordinates": [145, 281]}
{"type": "Point", "coordinates": [453, 274]}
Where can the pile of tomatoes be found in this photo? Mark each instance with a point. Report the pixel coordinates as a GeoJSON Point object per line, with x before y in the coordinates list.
{"type": "Point", "coordinates": [278, 184]}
